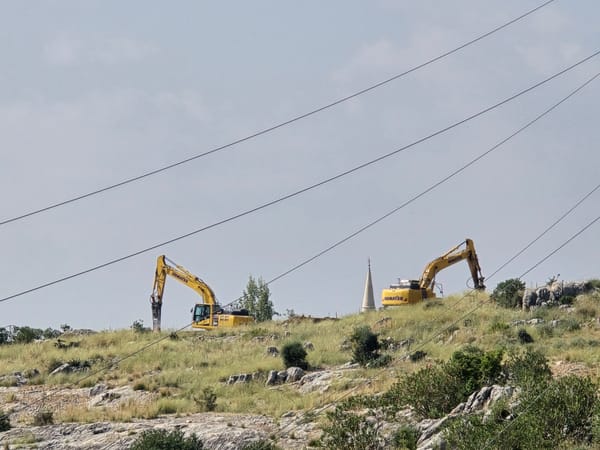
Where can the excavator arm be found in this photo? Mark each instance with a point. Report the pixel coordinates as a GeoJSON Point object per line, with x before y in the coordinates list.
{"type": "Point", "coordinates": [166, 267]}
{"type": "Point", "coordinates": [451, 257]}
{"type": "Point", "coordinates": [414, 291]}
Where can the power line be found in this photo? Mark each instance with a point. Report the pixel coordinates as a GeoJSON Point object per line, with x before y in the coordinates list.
{"type": "Point", "coordinates": [464, 316]}
{"type": "Point", "coordinates": [448, 177]}
{"type": "Point", "coordinates": [422, 344]}
{"type": "Point", "coordinates": [305, 189]}
{"type": "Point", "coordinates": [512, 422]}
{"type": "Point", "coordinates": [547, 229]}
{"type": "Point", "coordinates": [277, 126]}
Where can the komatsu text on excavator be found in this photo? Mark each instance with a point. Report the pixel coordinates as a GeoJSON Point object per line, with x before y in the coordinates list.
{"type": "Point", "coordinates": [206, 315]}
{"type": "Point", "coordinates": [413, 291]}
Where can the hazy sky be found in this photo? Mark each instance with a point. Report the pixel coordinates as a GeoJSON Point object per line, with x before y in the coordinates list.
{"type": "Point", "coordinates": [97, 91]}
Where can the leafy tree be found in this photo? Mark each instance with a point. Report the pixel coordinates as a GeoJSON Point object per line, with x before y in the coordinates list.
{"type": "Point", "coordinates": [166, 440]}
{"type": "Point", "coordinates": [294, 355]}
{"type": "Point", "coordinates": [365, 345]}
{"type": "Point", "coordinates": [25, 335]}
{"type": "Point", "coordinates": [509, 293]}
{"type": "Point", "coordinates": [257, 300]}
{"type": "Point", "coordinates": [50, 333]}
{"type": "Point", "coordinates": [475, 368]}
{"type": "Point", "coordinates": [4, 336]}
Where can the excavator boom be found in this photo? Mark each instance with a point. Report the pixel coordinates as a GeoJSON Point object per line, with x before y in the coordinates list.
{"type": "Point", "coordinates": [413, 291]}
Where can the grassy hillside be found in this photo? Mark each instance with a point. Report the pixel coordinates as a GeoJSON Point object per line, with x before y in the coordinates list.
{"type": "Point", "coordinates": [179, 368]}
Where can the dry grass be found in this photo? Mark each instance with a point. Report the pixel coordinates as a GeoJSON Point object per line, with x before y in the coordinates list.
{"type": "Point", "coordinates": [178, 370]}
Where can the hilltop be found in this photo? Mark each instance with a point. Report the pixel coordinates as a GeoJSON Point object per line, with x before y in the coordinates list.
{"type": "Point", "coordinates": [103, 388]}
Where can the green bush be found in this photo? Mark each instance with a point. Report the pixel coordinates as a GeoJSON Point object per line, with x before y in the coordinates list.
{"type": "Point", "coordinates": [294, 355]}
{"type": "Point", "coordinates": [565, 407]}
{"type": "Point", "coordinates": [260, 445]}
{"type": "Point", "coordinates": [406, 437]}
{"type": "Point", "coordinates": [509, 293]}
{"type": "Point", "coordinates": [42, 418]}
{"type": "Point", "coordinates": [524, 336]}
{"type": "Point", "coordinates": [346, 430]}
{"type": "Point", "coordinates": [526, 368]}
{"type": "Point", "coordinates": [365, 345]}
{"type": "Point", "coordinates": [475, 368]}
{"type": "Point", "coordinates": [208, 401]}
{"type": "Point", "coordinates": [4, 421]}
{"type": "Point", "coordinates": [166, 440]}
{"type": "Point", "coordinates": [25, 335]}
{"type": "Point", "coordinates": [431, 391]}
{"type": "Point", "coordinates": [4, 336]}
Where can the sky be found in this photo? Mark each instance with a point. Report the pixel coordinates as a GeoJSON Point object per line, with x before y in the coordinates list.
{"type": "Point", "coordinates": [95, 92]}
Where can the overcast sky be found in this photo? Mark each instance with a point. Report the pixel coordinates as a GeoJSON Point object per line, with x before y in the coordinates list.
{"type": "Point", "coordinates": [95, 92]}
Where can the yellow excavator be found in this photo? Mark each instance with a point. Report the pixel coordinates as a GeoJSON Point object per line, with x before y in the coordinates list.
{"type": "Point", "coordinates": [413, 291]}
{"type": "Point", "coordinates": [207, 315]}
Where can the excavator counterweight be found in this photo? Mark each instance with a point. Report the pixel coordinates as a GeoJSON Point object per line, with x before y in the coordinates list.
{"type": "Point", "coordinates": [413, 291]}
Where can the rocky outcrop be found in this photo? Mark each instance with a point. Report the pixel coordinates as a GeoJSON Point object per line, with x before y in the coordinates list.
{"type": "Point", "coordinates": [217, 431]}
{"type": "Point", "coordinates": [552, 294]}
{"type": "Point", "coordinates": [479, 402]}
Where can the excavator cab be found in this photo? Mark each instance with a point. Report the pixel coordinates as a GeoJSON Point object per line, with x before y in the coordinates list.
{"type": "Point", "coordinates": [201, 312]}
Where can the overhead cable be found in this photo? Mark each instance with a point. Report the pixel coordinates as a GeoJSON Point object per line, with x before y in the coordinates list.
{"type": "Point", "coordinates": [305, 189]}
{"type": "Point", "coordinates": [274, 127]}
{"type": "Point", "coordinates": [448, 177]}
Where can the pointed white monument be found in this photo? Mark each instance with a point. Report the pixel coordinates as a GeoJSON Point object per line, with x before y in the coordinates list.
{"type": "Point", "coordinates": [368, 303]}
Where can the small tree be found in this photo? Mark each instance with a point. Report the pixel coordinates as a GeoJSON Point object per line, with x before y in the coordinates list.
{"type": "Point", "coordinates": [4, 336]}
{"type": "Point", "coordinates": [257, 300]}
{"type": "Point", "coordinates": [25, 335]}
{"type": "Point", "coordinates": [365, 345]}
{"type": "Point", "coordinates": [509, 293]}
{"type": "Point", "coordinates": [294, 355]}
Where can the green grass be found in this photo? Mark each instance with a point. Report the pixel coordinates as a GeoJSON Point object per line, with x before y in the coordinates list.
{"type": "Point", "coordinates": [177, 371]}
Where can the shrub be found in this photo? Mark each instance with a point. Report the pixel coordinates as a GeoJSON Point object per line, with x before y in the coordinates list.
{"type": "Point", "coordinates": [499, 327]}
{"type": "Point", "coordinates": [509, 293]}
{"type": "Point", "coordinates": [527, 368]}
{"type": "Point", "coordinates": [294, 355]}
{"type": "Point", "coordinates": [406, 437]}
{"type": "Point", "coordinates": [381, 361]}
{"type": "Point", "coordinates": [524, 336]}
{"type": "Point", "coordinates": [166, 440]}
{"type": "Point", "coordinates": [347, 430]}
{"type": "Point", "coordinates": [138, 326]}
{"type": "Point", "coordinates": [553, 414]}
{"type": "Point", "coordinates": [260, 445]}
{"type": "Point", "coordinates": [4, 421]}
{"type": "Point", "coordinates": [365, 345]}
{"type": "Point", "coordinates": [566, 407]}
{"type": "Point", "coordinates": [475, 368]}
{"type": "Point", "coordinates": [417, 356]}
{"type": "Point", "coordinates": [431, 391]}
{"type": "Point", "coordinates": [208, 401]}
{"type": "Point", "coordinates": [570, 324]}
{"type": "Point", "coordinates": [43, 418]}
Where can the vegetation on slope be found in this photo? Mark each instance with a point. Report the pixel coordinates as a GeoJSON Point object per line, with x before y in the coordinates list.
{"type": "Point", "coordinates": [187, 372]}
